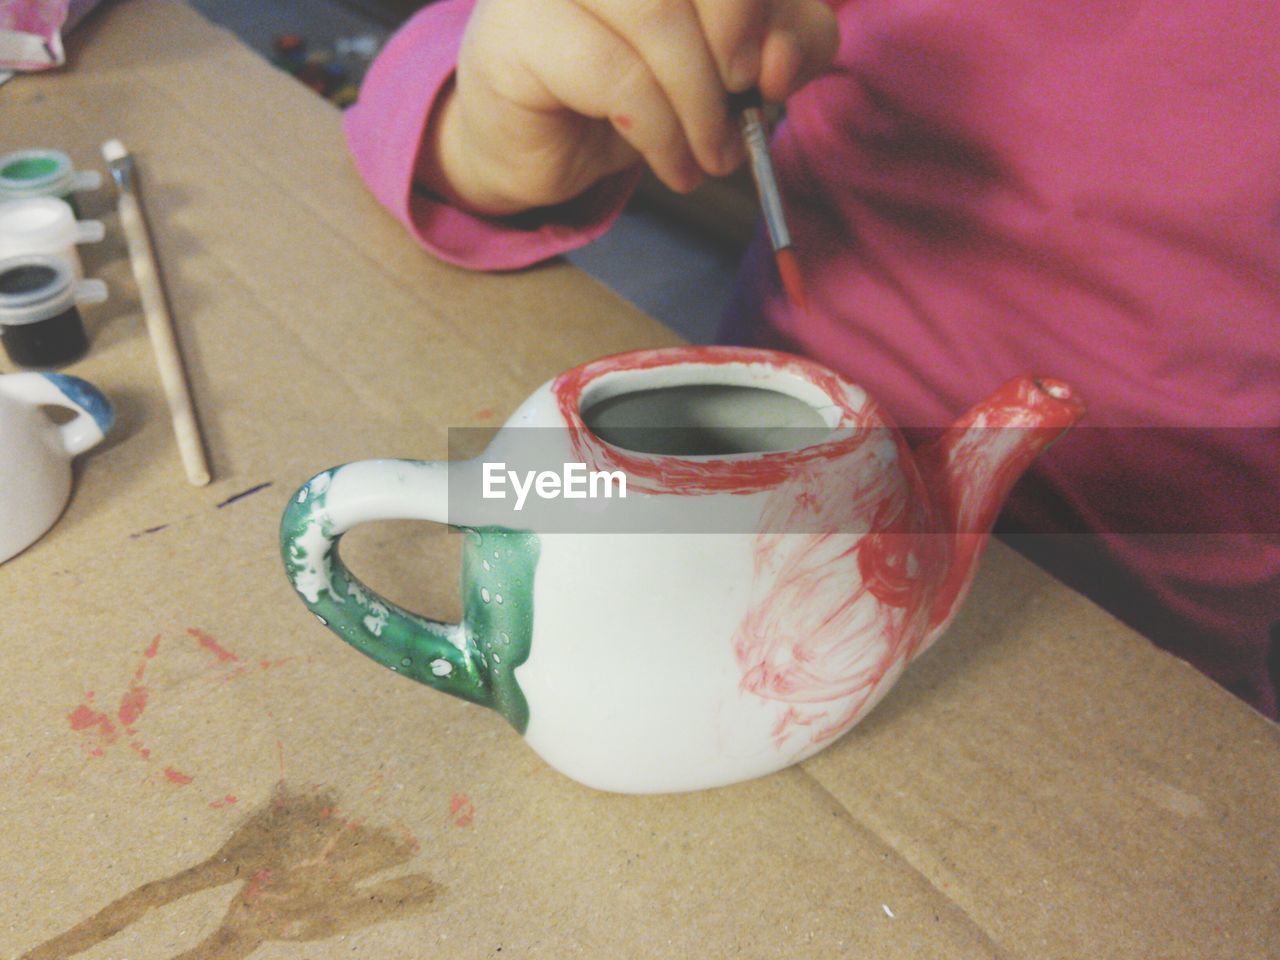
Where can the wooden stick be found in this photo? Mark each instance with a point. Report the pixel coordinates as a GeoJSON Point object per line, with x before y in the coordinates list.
{"type": "Point", "coordinates": [155, 310]}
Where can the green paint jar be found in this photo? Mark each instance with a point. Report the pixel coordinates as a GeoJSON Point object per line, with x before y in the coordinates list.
{"type": "Point", "coordinates": [44, 173]}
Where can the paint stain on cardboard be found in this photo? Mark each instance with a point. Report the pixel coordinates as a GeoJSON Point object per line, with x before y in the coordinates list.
{"type": "Point", "coordinates": [213, 646]}
{"type": "Point", "coordinates": [461, 810]}
{"type": "Point", "coordinates": [100, 728]}
{"type": "Point", "coordinates": [148, 531]}
{"type": "Point", "coordinates": [305, 876]}
{"type": "Point", "coordinates": [242, 494]}
{"type": "Point", "coordinates": [234, 498]}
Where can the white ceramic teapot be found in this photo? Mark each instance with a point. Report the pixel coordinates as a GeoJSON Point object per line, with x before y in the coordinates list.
{"type": "Point", "coordinates": [778, 558]}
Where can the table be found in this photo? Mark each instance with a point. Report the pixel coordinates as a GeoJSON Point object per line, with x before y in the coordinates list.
{"type": "Point", "coordinates": [193, 767]}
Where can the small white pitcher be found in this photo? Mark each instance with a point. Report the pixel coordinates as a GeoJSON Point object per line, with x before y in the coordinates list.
{"type": "Point", "coordinates": [36, 452]}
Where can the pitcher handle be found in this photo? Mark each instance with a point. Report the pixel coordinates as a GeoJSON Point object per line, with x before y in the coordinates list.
{"type": "Point", "coordinates": [93, 411]}
{"type": "Point", "coordinates": [441, 655]}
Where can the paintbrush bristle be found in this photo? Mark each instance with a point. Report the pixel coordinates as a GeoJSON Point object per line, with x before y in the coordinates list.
{"type": "Point", "coordinates": [113, 150]}
{"type": "Point", "coordinates": [792, 281]}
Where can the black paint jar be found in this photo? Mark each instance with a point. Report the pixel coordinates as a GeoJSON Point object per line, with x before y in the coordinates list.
{"type": "Point", "coordinates": [40, 321]}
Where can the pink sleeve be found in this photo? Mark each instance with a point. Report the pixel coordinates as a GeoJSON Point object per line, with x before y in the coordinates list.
{"type": "Point", "coordinates": [384, 133]}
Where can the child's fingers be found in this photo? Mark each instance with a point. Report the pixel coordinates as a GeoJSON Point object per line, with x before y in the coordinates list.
{"type": "Point", "coordinates": [552, 95]}
{"type": "Point", "coordinates": [801, 40]}
{"type": "Point", "coordinates": [667, 35]}
{"type": "Point", "coordinates": [606, 78]}
{"type": "Point", "coordinates": [735, 35]}
{"type": "Point", "coordinates": [643, 116]}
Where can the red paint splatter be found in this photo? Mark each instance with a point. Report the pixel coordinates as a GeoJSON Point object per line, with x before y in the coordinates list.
{"type": "Point", "coordinates": [462, 810]}
{"type": "Point", "coordinates": [85, 717]}
{"type": "Point", "coordinates": [484, 413]}
{"type": "Point", "coordinates": [623, 122]}
{"type": "Point", "coordinates": [408, 835]}
{"type": "Point", "coordinates": [100, 730]}
{"type": "Point", "coordinates": [132, 704]}
{"type": "Point", "coordinates": [209, 643]}
{"type": "Point", "coordinates": [134, 700]}
{"type": "Point", "coordinates": [253, 889]}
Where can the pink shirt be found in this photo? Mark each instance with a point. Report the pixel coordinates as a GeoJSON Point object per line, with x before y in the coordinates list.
{"type": "Point", "coordinates": [1087, 191]}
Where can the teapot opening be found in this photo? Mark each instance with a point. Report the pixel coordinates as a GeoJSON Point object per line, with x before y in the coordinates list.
{"type": "Point", "coordinates": [705, 420]}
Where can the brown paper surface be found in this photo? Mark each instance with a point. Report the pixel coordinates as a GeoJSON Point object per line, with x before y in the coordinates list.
{"type": "Point", "coordinates": [192, 767]}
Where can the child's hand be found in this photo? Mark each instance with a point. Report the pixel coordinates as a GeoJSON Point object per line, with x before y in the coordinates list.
{"type": "Point", "coordinates": [553, 95]}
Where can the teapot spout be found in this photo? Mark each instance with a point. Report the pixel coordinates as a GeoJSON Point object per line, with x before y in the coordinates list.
{"type": "Point", "coordinates": [971, 468]}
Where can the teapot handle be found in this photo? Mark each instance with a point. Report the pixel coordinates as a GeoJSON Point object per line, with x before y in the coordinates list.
{"type": "Point", "coordinates": [441, 655]}
{"type": "Point", "coordinates": [93, 412]}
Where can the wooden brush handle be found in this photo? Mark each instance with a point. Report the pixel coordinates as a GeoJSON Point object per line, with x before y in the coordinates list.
{"type": "Point", "coordinates": [155, 310]}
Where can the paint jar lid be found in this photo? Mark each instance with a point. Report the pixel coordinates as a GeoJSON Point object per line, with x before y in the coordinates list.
{"type": "Point", "coordinates": [40, 173]}
{"type": "Point", "coordinates": [43, 225]}
{"type": "Point", "coordinates": [35, 287]}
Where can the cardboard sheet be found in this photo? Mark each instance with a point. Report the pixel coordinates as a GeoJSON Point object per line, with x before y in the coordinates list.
{"type": "Point", "coordinates": [192, 767]}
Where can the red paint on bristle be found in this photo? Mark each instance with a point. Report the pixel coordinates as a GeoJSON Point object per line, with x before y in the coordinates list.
{"type": "Point", "coordinates": [789, 270]}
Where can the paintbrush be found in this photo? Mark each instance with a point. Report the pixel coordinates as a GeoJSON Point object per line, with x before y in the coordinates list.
{"type": "Point", "coordinates": [155, 310]}
{"type": "Point", "coordinates": [750, 109]}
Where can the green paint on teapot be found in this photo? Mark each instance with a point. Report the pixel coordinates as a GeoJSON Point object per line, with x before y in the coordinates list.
{"type": "Point", "coordinates": [498, 568]}
{"type": "Point", "coordinates": [476, 659]}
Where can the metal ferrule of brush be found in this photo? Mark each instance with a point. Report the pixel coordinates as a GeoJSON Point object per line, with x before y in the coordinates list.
{"type": "Point", "coordinates": [754, 134]}
{"type": "Point", "coordinates": [122, 173]}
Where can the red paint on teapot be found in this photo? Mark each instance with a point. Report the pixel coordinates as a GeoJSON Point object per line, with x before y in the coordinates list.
{"type": "Point", "coordinates": [810, 638]}
{"type": "Point", "coordinates": [734, 475]}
